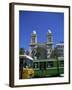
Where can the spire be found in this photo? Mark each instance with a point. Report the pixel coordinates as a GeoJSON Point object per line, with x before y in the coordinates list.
{"type": "Point", "coordinates": [49, 36]}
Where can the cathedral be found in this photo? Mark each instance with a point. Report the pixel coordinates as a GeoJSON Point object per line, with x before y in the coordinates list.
{"type": "Point", "coordinates": [48, 45]}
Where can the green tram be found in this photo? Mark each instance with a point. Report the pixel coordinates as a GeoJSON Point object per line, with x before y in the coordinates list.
{"type": "Point", "coordinates": [48, 67]}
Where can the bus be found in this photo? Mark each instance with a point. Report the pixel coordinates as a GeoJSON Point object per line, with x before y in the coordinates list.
{"type": "Point", "coordinates": [25, 67]}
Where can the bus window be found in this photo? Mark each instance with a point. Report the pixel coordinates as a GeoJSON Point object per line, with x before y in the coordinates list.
{"type": "Point", "coordinates": [29, 63]}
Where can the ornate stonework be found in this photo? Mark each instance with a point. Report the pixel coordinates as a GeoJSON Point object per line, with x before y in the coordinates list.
{"type": "Point", "coordinates": [48, 45]}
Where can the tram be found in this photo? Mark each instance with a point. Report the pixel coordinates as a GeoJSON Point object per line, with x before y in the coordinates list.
{"type": "Point", "coordinates": [25, 67]}
{"type": "Point", "coordinates": [30, 68]}
{"type": "Point", "coordinates": [48, 67]}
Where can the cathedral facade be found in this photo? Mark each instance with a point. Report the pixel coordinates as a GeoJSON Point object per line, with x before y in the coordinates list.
{"type": "Point", "coordinates": [47, 46]}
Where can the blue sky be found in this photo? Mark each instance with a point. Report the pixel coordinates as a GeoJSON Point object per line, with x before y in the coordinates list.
{"type": "Point", "coordinates": [41, 22]}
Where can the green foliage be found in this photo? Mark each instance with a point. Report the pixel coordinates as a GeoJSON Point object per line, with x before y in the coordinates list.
{"type": "Point", "coordinates": [21, 51]}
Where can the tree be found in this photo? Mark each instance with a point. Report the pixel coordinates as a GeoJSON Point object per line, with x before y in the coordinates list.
{"type": "Point", "coordinates": [21, 51]}
{"type": "Point", "coordinates": [55, 54]}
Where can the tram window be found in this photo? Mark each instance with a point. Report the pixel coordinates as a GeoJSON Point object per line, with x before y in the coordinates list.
{"type": "Point", "coordinates": [61, 63]}
{"type": "Point", "coordinates": [36, 65]}
{"type": "Point", "coordinates": [50, 64]}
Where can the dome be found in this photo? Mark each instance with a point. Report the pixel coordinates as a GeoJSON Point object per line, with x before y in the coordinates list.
{"type": "Point", "coordinates": [49, 31]}
{"type": "Point", "coordinates": [34, 32]}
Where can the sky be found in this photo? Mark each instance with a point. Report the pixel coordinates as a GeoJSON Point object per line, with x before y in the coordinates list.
{"type": "Point", "coordinates": [40, 22]}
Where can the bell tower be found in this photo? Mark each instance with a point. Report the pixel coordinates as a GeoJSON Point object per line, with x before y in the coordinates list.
{"type": "Point", "coordinates": [33, 42]}
{"type": "Point", "coordinates": [33, 37]}
{"type": "Point", "coordinates": [49, 43]}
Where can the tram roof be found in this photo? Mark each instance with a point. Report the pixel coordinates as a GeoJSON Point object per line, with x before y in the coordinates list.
{"type": "Point", "coordinates": [26, 56]}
